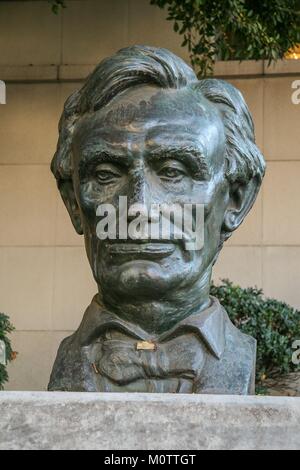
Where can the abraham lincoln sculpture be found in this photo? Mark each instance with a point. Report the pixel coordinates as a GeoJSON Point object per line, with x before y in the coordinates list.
{"type": "Point", "coordinates": [144, 132]}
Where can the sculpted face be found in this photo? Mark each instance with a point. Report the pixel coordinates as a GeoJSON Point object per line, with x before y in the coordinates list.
{"type": "Point", "coordinates": [152, 146]}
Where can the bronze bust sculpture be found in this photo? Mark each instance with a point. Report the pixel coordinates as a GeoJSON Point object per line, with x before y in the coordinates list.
{"type": "Point", "coordinates": [143, 127]}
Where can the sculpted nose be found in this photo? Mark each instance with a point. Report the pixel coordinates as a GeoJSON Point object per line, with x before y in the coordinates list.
{"type": "Point", "coordinates": [139, 196]}
{"type": "Point", "coordinates": [139, 193]}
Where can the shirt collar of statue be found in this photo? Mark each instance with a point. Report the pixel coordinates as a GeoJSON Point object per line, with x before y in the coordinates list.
{"type": "Point", "coordinates": [208, 325]}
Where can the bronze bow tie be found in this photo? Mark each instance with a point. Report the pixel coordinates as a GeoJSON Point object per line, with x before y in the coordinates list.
{"type": "Point", "coordinates": [123, 359]}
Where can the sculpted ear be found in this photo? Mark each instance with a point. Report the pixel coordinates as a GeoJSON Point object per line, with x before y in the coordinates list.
{"type": "Point", "coordinates": [67, 192]}
{"type": "Point", "coordinates": [241, 198]}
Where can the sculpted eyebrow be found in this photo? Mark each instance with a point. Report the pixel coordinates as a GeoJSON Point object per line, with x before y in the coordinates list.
{"type": "Point", "coordinates": [191, 156]}
{"type": "Point", "coordinates": [103, 155]}
{"type": "Point", "coordinates": [90, 159]}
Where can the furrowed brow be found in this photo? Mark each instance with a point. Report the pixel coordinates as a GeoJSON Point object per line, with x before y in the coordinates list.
{"type": "Point", "coordinates": [191, 156]}
{"type": "Point", "coordinates": [103, 153]}
{"type": "Point", "coordinates": [90, 158]}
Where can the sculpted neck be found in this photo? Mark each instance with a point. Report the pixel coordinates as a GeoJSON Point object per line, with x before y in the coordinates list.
{"type": "Point", "coordinates": [159, 315]}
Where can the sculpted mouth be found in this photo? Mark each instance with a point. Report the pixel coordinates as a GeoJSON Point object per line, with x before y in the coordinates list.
{"type": "Point", "coordinates": [144, 250]}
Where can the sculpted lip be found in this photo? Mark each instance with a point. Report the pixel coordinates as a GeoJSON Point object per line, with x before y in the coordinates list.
{"type": "Point", "coordinates": [150, 249]}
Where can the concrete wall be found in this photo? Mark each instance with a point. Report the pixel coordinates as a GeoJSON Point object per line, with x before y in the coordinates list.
{"type": "Point", "coordinates": [45, 282]}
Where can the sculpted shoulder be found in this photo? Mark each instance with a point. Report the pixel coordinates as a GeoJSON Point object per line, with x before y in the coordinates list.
{"type": "Point", "coordinates": [234, 372]}
{"type": "Point", "coordinates": [68, 356]}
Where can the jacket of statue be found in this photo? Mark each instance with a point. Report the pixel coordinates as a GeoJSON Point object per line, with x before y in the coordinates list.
{"type": "Point", "coordinates": [204, 353]}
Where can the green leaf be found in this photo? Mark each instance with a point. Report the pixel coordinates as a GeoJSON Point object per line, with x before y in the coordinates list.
{"type": "Point", "coordinates": [233, 29]}
{"type": "Point", "coordinates": [5, 328]}
{"type": "Point", "coordinates": [273, 323]}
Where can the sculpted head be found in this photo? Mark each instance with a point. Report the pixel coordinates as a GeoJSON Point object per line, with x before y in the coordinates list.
{"type": "Point", "coordinates": [144, 127]}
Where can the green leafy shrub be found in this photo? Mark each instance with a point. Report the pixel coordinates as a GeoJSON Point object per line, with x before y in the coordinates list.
{"type": "Point", "coordinates": [5, 328]}
{"type": "Point", "coordinates": [57, 5]}
{"type": "Point", "coordinates": [274, 324]}
{"type": "Point", "coordinates": [234, 29]}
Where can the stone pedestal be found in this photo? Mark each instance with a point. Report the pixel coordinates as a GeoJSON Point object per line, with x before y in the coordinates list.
{"type": "Point", "coordinates": [43, 420]}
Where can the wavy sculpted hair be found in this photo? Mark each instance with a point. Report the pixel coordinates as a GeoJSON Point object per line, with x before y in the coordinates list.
{"type": "Point", "coordinates": [149, 65]}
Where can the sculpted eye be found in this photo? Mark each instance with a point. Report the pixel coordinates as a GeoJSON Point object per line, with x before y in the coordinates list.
{"type": "Point", "coordinates": [106, 175]}
{"type": "Point", "coordinates": [174, 171]}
